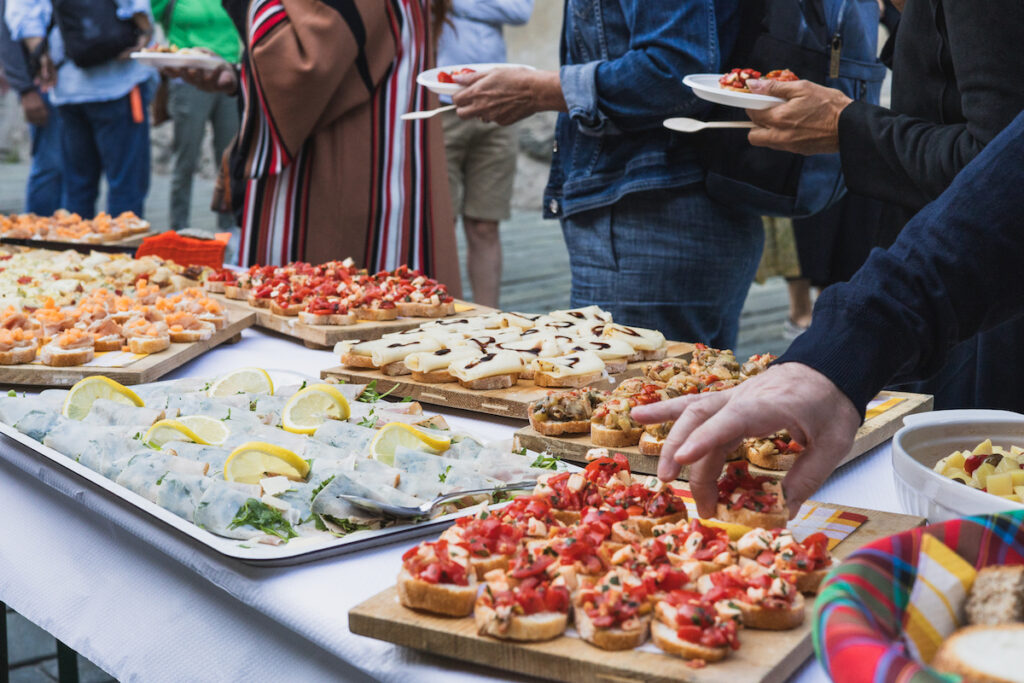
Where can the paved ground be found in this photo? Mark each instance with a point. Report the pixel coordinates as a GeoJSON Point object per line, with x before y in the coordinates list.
{"type": "Point", "coordinates": [535, 278]}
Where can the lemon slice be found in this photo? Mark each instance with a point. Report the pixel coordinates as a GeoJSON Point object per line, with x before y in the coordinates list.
{"type": "Point", "coordinates": [257, 460]}
{"type": "Point", "coordinates": [170, 430]}
{"type": "Point", "coordinates": [81, 396]}
{"type": "Point", "coordinates": [211, 431]}
{"type": "Point", "coordinates": [309, 408]}
{"type": "Point", "coordinates": [395, 434]}
{"type": "Point", "coordinates": [242, 381]}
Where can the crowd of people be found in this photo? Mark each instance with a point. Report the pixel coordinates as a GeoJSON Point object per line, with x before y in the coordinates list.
{"type": "Point", "coordinates": [306, 114]}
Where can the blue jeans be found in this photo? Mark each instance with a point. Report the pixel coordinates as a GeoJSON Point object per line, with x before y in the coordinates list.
{"type": "Point", "coordinates": [101, 138]}
{"type": "Point", "coordinates": [672, 260]}
{"type": "Point", "coordinates": [44, 193]}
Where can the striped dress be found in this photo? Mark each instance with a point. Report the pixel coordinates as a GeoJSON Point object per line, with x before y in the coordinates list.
{"type": "Point", "coordinates": [332, 171]}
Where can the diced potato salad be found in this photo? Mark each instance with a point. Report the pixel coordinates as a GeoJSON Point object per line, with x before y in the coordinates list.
{"type": "Point", "coordinates": [988, 468]}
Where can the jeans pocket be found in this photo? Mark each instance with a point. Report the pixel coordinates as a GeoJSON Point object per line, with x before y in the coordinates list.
{"type": "Point", "coordinates": [589, 238]}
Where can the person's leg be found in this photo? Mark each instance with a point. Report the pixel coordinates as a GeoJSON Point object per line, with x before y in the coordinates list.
{"type": "Point", "coordinates": [800, 305]}
{"type": "Point", "coordinates": [483, 260]}
{"type": "Point", "coordinates": [671, 260]}
{"type": "Point", "coordinates": [189, 108]}
{"type": "Point", "coordinates": [124, 148]}
{"type": "Point", "coordinates": [82, 162]}
{"type": "Point", "coordinates": [225, 120]}
{"type": "Point", "coordinates": [44, 193]}
{"type": "Point", "coordinates": [489, 173]}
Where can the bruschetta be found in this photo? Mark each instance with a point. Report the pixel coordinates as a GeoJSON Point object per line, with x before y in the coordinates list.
{"type": "Point", "coordinates": [615, 614]}
{"type": "Point", "coordinates": [436, 577]}
{"type": "Point", "coordinates": [749, 500]}
{"type": "Point", "coordinates": [531, 610]}
{"type": "Point", "coordinates": [688, 626]}
{"type": "Point", "coordinates": [566, 412]}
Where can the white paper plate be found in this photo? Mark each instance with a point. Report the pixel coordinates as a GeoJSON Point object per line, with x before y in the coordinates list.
{"type": "Point", "coordinates": [177, 60]}
{"type": "Point", "coordinates": [428, 79]}
{"type": "Point", "coordinates": [705, 86]}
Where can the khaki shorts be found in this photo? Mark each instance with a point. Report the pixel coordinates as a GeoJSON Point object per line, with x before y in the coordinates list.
{"type": "Point", "coordinates": [481, 167]}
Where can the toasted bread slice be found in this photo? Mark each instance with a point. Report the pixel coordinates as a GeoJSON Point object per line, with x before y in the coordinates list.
{"type": "Point", "coordinates": [768, 519]}
{"type": "Point", "coordinates": [438, 598]}
{"type": "Point", "coordinates": [203, 333]}
{"type": "Point", "coordinates": [290, 310]}
{"type": "Point", "coordinates": [493, 382]}
{"type": "Point", "coordinates": [614, 438]}
{"type": "Point", "coordinates": [773, 619]}
{"type": "Point", "coordinates": [258, 302]}
{"type": "Point", "coordinates": [665, 637]}
{"type": "Point", "coordinates": [771, 461]}
{"type": "Point", "coordinates": [556, 428]}
{"type": "Point", "coordinates": [610, 638]}
{"type": "Point", "coordinates": [421, 310]}
{"type": "Point", "coordinates": [235, 292]}
{"type": "Point", "coordinates": [354, 360]}
{"type": "Point", "coordinates": [983, 654]}
{"type": "Point", "coordinates": [377, 314]}
{"type": "Point", "coordinates": [395, 369]}
{"type": "Point", "coordinates": [109, 343]}
{"type": "Point", "coordinates": [656, 354]}
{"type": "Point", "coordinates": [19, 355]}
{"type": "Point", "coordinates": [314, 318]}
{"type": "Point", "coordinates": [57, 357]}
{"type": "Point", "coordinates": [543, 379]}
{"type": "Point", "coordinates": [650, 445]}
{"type": "Point", "coordinates": [808, 582]}
{"type": "Point", "coordinates": [148, 344]}
{"type": "Point", "coordinates": [435, 377]}
{"type": "Point", "coordinates": [529, 628]}
{"type": "Point", "coordinates": [214, 286]}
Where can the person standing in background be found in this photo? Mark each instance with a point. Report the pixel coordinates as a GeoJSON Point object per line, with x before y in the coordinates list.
{"type": "Point", "coordinates": [203, 24]}
{"type": "Point", "coordinates": [104, 122]}
{"type": "Point", "coordinates": [645, 240]}
{"type": "Point", "coordinates": [481, 156]}
{"type": "Point", "coordinates": [44, 193]}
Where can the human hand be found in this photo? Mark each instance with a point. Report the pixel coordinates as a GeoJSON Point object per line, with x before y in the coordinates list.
{"type": "Point", "coordinates": [145, 27]}
{"type": "Point", "coordinates": [507, 95]}
{"type": "Point", "coordinates": [808, 123]}
{"type": "Point", "coordinates": [789, 396]}
{"type": "Point", "coordinates": [34, 108]}
{"type": "Point", "coordinates": [222, 79]}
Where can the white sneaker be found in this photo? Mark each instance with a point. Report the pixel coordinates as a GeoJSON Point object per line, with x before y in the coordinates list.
{"type": "Point", "coordinates": [790, 330]}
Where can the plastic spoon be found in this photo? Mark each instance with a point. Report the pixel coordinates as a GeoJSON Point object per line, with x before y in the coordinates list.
{"type": "Point", "coordinates": [416, 115]}
{"type": "Point", "coordinates": [684, 125]}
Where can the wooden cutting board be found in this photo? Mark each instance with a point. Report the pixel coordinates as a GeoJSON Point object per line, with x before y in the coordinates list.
{"type": "Point", "coordinates": [147, 369]}
{"type": "Point", "coordinates": [512, 402]}
{"type": "Point", "coordinates": [876, 430]}
{"type": "Point", "coordinates": [326, 336]}
{"type": "Point", "coordinates": [766, 656]}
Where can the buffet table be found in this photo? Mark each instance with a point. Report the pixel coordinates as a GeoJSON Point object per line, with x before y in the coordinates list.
{"type": "Point", "coordinates": [144, 603]}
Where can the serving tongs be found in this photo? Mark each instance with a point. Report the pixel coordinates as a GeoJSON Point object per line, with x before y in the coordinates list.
{"type": "Point", "coordinates": [425, 510]}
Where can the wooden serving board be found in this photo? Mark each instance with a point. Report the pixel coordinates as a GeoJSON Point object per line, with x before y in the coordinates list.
{"type": "Point", "coordinates": [326, 336]}
{"type": "Point", "coordinates": [511, 402]}
{"type": "Point", "coordinates": [766, 656]}
{"type": "Point", "coordinates": [147, 369]}
{"type": "Point", "coordinates": [874, 431]}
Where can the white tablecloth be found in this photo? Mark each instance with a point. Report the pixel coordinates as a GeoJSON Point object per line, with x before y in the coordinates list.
{"type": "Point", "coordinates": [91, 577]}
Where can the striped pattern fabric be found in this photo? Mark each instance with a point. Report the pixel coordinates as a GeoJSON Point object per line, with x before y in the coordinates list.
{"type": "Point", "coordinates": [860, 613]}
{"type": "Point", "coordinates": [936, 602]}
{"type": "Point", "coordinates": [401, 155]}
{"type": "Point", "coordinates": [812, 518]}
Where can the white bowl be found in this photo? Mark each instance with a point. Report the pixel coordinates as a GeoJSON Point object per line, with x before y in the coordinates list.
{"type": "Point", "coordinates": [927, 438]}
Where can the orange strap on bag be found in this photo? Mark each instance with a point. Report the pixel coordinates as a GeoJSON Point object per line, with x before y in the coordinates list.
{"type": "Point", "coordinates": [135, 97]}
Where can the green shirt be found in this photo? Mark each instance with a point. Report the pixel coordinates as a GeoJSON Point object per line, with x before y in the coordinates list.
{"type": "Point", "coordinates": [199, 23]}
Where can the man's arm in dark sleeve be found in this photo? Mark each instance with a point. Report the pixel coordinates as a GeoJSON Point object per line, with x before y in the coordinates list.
{"type": "Point", "coordinates": [954, 270]}
{"type": "Point", "coordinates": [911, 161]}
{"type": "Point", "coordinates": [13, 59]}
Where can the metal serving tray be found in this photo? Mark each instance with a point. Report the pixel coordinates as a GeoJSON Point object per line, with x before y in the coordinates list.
{"type": "Point", "coordinates": [296, 551]}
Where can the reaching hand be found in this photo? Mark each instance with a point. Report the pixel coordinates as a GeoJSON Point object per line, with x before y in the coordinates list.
{"type": "Point", "coordinates": [808, 123]}
{"type": "Point", "coordinates": [507, 95]}
{"type": "Point", "coordinates": [710, 426]}
{"type": "Point", "coordinates": [34, 108]}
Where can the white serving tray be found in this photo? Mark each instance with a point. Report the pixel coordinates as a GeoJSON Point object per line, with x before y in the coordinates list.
{"type": "Point", "coordinates": [296, 551]}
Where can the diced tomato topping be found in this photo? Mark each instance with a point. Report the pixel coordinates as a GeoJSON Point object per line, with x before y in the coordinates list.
{"type": "Point", "coordinates": [441, 568]}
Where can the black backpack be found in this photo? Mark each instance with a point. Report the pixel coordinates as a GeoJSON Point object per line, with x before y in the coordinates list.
{"type": "Point", "coordinates": [92, 32]}
{"type": "Point", "coordinates": [830, 42]}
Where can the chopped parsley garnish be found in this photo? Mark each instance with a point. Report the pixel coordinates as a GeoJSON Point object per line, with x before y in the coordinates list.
{"type": "Point", "coordinates": [161, 479]}
{"type": "Point", "coordinates": [369, 421]}
{"type": "Point", "coordinates": [544, 462]}
{"type": "Point", "coordinates": [303, 385]}
{"type": "Point", "coordinates": [347, 526]}
{"type": "Point", "coordinates": [227, 417]}
{"type": "Point", "coordinates": [258, 514]}
{"type": "Point", "coordinates": [407, 399]}
{"type": "Point", "coordinates": [500, 497]}
{"type": "Point", "coordinates": [444, 475]}
{"type": "Point", "coordinates": [252, 406]}
{"type": "Point", "coordinates": [320, 487]}
{"type": "Point", "coordinates": [614, 580]}
{"type": "Point", "coordinates": [138, 436]}
{"type": "Point", "coordinates": [12, 393]}
{"type": "Point", "coordinates": [369, 393]}
{"type": "Point", "coordinates": [550, 551]}
{"type": "Point", "coordinates": [206, 387]}
{"type": "Point", "coordinates": [521, 451]}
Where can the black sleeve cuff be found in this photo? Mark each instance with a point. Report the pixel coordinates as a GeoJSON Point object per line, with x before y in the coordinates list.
{"type": "Point", "coordinates": [857, 148]}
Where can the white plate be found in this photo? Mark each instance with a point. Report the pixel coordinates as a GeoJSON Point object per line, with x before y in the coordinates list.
{"type": "Point", "coordinates": [927, 438]}
{"type": "Point", "coordinates": [705, 86]}
{"type": "Point", "coordinates": [178, 60]}
{"type": "Point", "coordinates": [428, 79]}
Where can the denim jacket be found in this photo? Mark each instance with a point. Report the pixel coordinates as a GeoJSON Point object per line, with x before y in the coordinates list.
{"type": "Point", "coordinates": [623, 62]}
